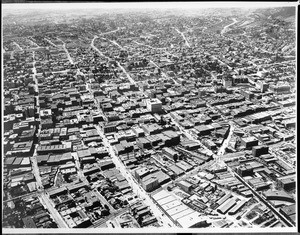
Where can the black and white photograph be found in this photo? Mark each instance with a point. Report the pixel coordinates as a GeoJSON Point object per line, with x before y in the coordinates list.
{"type": "Point", "coordinates": [161, 117]}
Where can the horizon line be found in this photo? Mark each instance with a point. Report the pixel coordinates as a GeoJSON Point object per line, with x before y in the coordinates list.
{"type": "Point", "coordinates": [142, 5]}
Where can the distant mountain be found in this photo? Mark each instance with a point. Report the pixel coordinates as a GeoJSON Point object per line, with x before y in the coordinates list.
{"type": "Point", "coordinates": [285, 12]}
{"type": "Point", "coordinates": [278, 12]}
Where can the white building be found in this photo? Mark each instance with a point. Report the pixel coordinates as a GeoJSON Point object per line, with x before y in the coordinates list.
{"type": "Point", "coordinates": [154, 105]}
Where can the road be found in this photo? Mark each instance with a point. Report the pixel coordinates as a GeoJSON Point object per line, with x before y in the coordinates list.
{"type": "Point", "coordinates": [79, 170]}
{"type": "Point", "coordinates": [117, 44]}
{"type": "Point", "coordinates": [22, 196]}
{"type": "Point", "coordinates": [133, 183]}
{"type": "Point", "coordinates": [182, 34]}
{"type": "Point", "coordinates": [128, 76]}
{"type": "Point", "coordinates": [226, 141]}
{"type": "Point", "coordinates": [96, 49]}
{"type": "Point", "coordinates": [67, 52]}
{"type": "Point", "coordinates": [33, 43]}
{"type": "Point", "coordinates": [163, 73]}
{"type": "Point", "coordinates": [263, 200]}
{"type": "Point", "coordinates": [51, 43]}
{"type": "Point", "coordinates": [190, 136]}
{"type": "Point", "coordinates": [224, 30]}
{"type": "Point", "coordinates": [113, 31]}
{"type": "Point", "coordinates": [239, 41]}
{"type": "Point", "coordinates": [70, 58]}
{"type": "Point", "coordinates": [33, 158]}
{"type": "Point", "coordinates": [45, 200]}
{"type": "Point", "coordinates": [17, 45]}
{"type": "Point", "coordinates": [283, 219]}
{"type": "Point", "coordinates": [131, 80]}
{"type": "Point", "coordinates": [104, 201]}
{"type": "Point", "coordinates": [100, 223]}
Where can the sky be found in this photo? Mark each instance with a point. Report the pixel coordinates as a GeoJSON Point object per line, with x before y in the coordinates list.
{"type": "Point", "coordinates": [149, 5]}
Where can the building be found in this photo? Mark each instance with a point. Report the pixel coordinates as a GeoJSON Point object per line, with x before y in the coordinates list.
{"type": "Point", "coordinates": [210, 144]}
{"type": "Point", "coordinates": [143, 143]}
{"type": "Point", "coordinates": [141, 172]}
{"type": "Point", "coordinates": [278, 195]}
{"type": "Point", "coordinates": [227, 81]}
{"type": "Point", "coordinates": [287, 182]}
{"type": "Point", "coordinates": [280, 88]}
{"type": "Point", "coordinates": [245, 170]}
{"type": "Point", "coordinates": [224, 208]}
{"type": "Point", "coordinates": [259, 150]}
{"type": "Point", "coordinates": [185, 186]}
{"type": "Point", "coordinates": [289, 212]}
{"type": "Point", "coordinates": [249, 142]}
{"type": "Point", "coordinates": [154, 105]}
{"type": "Point", "coordinates": [170, 154]}
{"type": "Point", "coordinates": [110, 127]}
{"type": "Point", "coordinates": [149, 183]}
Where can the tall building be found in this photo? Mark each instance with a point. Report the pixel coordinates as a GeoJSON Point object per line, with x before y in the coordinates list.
{"type": "Point", "coordinates": [154, 105]}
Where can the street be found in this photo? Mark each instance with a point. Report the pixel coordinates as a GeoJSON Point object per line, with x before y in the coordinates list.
{"type": "Point", "coordinates": [182, 34]}
{"type": "Point", "coordinates": [132, 182]}
{"type": "Point", "coordinates": [224, 30]}
{"type": "Point", "coordinates": [226, 141]}
{"type": "Point", "coordinates": [54, 213]}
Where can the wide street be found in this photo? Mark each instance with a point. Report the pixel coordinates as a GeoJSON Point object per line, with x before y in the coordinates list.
{"type": "Point", "coordinates": [133, 183]}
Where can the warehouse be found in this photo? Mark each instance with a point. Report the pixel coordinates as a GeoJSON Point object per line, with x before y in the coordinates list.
{"type": "Point", "coordinates": [178, 171]}
{"type": "Point", "coordinates": [227, 206]}
{"type": "Point", "coordinates": [237, 207]}
{"type": "Point", "coordinates": [224, 198]}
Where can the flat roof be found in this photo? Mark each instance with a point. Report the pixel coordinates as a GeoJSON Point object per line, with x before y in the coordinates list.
{"type": "Point", "coordinates": [178, 209]}
{"type": "Point", "coordinates": [160, 195]}
{"type": "Point", "coordinates": [189, 219]}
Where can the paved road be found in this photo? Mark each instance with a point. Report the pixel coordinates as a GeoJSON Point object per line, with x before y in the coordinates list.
{"type": "Point", "coordinates": [37, 46]}
{"type": "Point", "coordinates": [226, 141]}
{"type": "Point", "coordinates": [56, 216]}
{"type": "Point", "coordinates": [117, 44]}
{"type": "Point", "coordinates": [68, 54]}
{"type": "Point", "coordinates": [104, 201]}
{"type": "Point", "coordinates": [96, 49]}
{"type": "Point", "coordinates": [131, 80]}
{"type": "Point", "coordinates": [33, 159]}
{"type": "Point", "coordinates": [276, 212]}
{"type": "Point", "coordinates": [101, 222]}
{"type": "Point", "coordinates": [190, 136]}
{"type": "Point", "coordinates": [182, 34]}
{"type": "Point", "coordinates": [113, 31]}
{"type": "Point", "coordinates": [128, 76]}
{"type": "Point", "coordinates": [17, 45]}
{"type": "Point", "coordinates": [49, 41]}
{"type": "Point", "coordinates": [224, 30]}
{"type": "Point", "coordinates": [163, 73]}
{"type": "Point", "coordinates": [79, 170]}
{"type": "Point", "coordinates": [133, 183]}
{"type": "Point", "coordinates": [70, 58]}
{"type": "Point", "coordinates": [22, 196]}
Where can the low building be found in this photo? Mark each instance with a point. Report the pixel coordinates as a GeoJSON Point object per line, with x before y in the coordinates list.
{"type": "Point", "coordinates": [185, 186]}
{"type": "Point", "coordinates": [171, 154]}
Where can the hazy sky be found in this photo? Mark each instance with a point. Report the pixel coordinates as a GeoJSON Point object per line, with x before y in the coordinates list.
{"type": "Point", "coordinates": [146, 5]}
